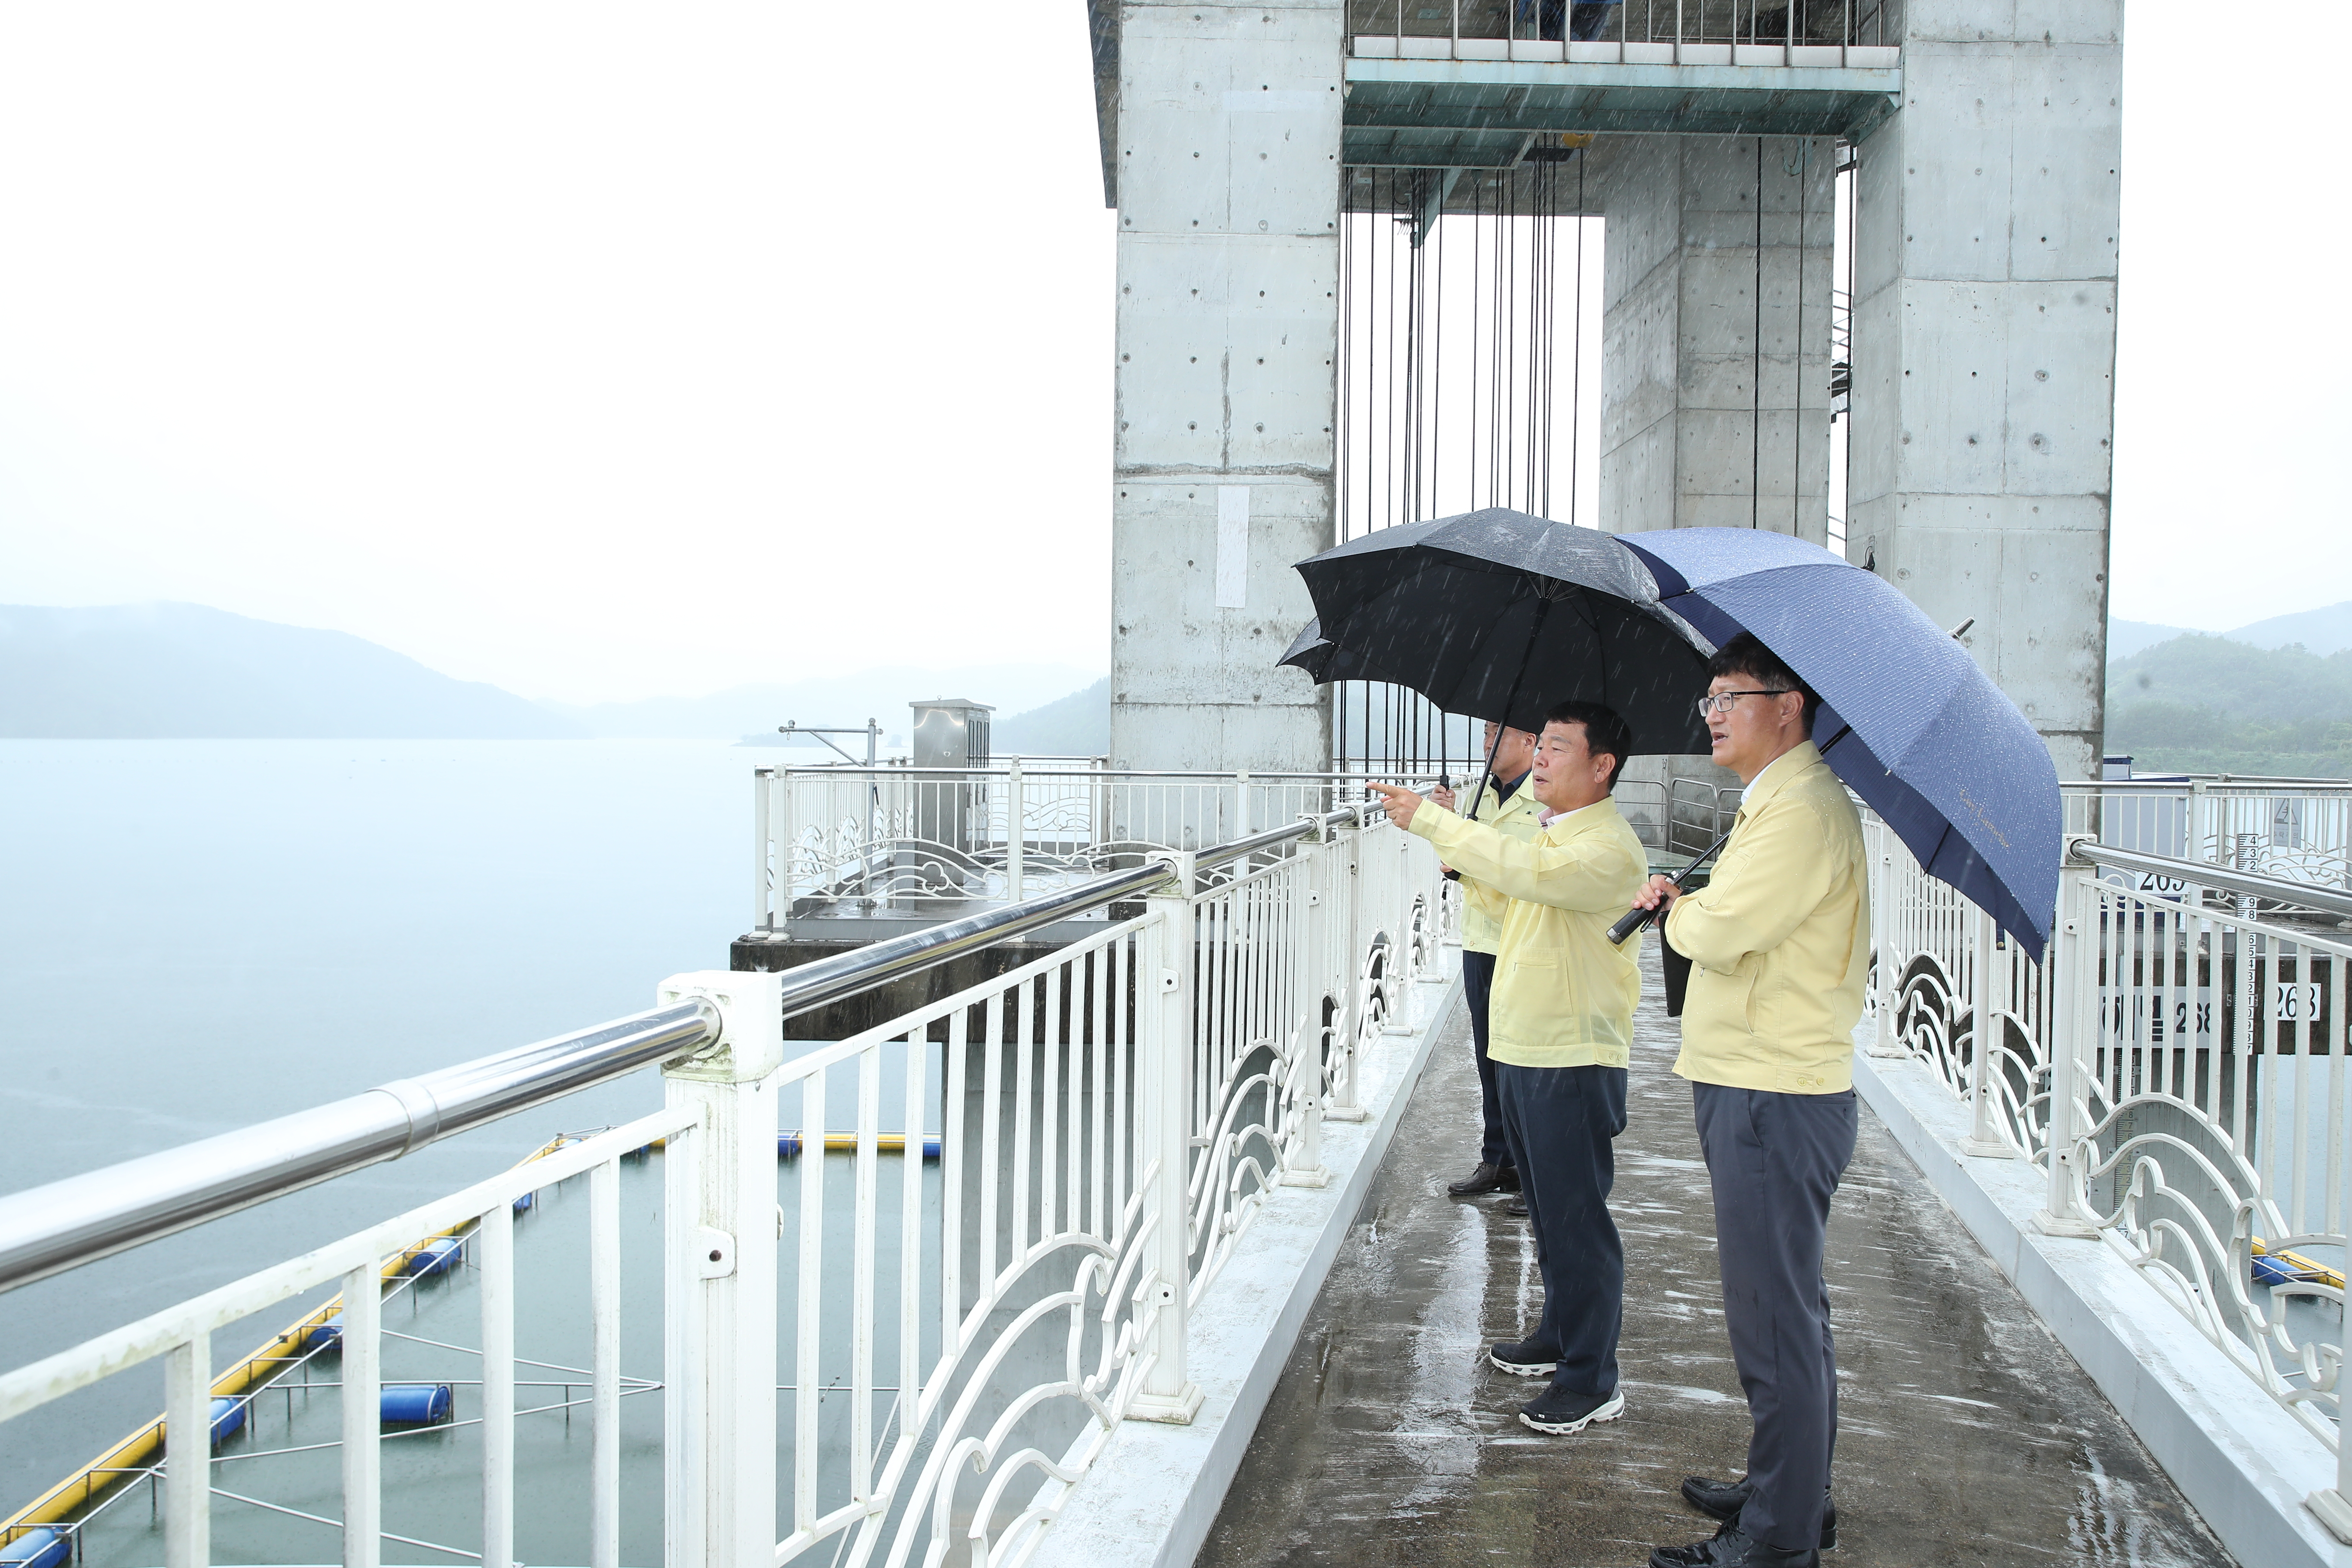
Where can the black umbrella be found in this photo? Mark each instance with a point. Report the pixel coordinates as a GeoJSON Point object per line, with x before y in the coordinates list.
{"type": "Point", "coordinates": [1500, 614]}
{"type": "Point", "coordinates": [1324, 663]}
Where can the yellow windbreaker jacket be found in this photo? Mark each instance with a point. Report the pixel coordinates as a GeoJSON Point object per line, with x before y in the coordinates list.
{"type": "Point", "coordinates": [1779, 938]}
{"type": "Point", "coordinates": [1563, 997]}
{"type": "Point", "coordinates": [1483, 907]}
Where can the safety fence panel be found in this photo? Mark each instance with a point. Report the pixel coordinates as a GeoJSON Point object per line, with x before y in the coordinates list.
{"type": "Point", "coordinates": [316, 1412]}
{"type": "Point", "coordinates": [910, 1281]}
{"type": "Point", "coordinates": [2296, 831]}
{"type": "Point", "coordinates": [1836, 33]}
{"type": "Point", "coordinates": [2176, 1068]}
{"type": "Point", "coordinates": [830, 836]}
{"type": "Point", "coordinates": [2200, 1102]}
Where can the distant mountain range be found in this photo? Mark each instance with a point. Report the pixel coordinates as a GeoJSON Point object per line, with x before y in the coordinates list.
{"type": "Point", "coordinates": [2321, 631]}
{"type": "Point", "coordinates": [182, 671]}
{"type": "Point", "coordinates": [753, 712]}
{"type": "Point", "coordinates": [187, 672]}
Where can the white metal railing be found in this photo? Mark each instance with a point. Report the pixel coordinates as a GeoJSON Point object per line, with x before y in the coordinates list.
{"type": "Point", "coordinates": [2299, 830]}
{"type": "Point", "coordinates": [2175, 1066]}
{"type": "Point", "coordinates": [829, 836]}
{"type": "Point", "coordinates": [959, 1339]}
{"type": "Point", "coordinates": [1853, 34]}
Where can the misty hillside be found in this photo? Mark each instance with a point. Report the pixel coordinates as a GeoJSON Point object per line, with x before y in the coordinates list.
{"type": "Point", "coordinates": [2125, 638]}
{"type": "Point", "coordinates": [1077, 725]}
{"type": "Point", "coordinates": [839, 702]}
{"type": "Point", "coordinates": [2207, 704]}
{"type": "Point", "coordinates": [182, 671]}
{"type": "Point", "coordinates": [2325, 630]}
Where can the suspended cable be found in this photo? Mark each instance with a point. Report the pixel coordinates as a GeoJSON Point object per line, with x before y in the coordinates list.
{"type": "Point", "coordinates": [1576, 369]}
{"type": "Point", "coordinates": [1756, 369]}
{"type": "Point", "coordinates": [1341, 452]}
{"type": "Point", "coordinates": [1435, 239]}
{"type": "Point", "coordinates": [1797, 409]}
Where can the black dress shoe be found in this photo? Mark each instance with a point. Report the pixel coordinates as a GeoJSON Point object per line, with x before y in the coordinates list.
{"type": "Point", "coordinates": [1724, 1500]}
{"type": "Point", "coordinates": [1732, 1547]}
{"type": "Point", "coordinates": [1484, 1180]}
{"type": "Point", "coordinates": [1516, 1208]}
{"type": "Point", "coordinates": [1717, 1500]}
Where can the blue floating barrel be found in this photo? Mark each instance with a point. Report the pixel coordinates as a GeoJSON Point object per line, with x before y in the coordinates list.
{"type": "Point", "coordinates": [414, 1403]}
{"type": "Point", "coordinates": [526, 1203]}
{"type": "Point", "coordinates": [320, 1334]}
{"type": "Point", "coordinates": [228, 1417]}
{"type": "Point", "coordinates": [2268, 1270]}
{"type": "Point", "coordinates": [435, 1257]}
{"type": "Point", "coordinates": [38, 1548]}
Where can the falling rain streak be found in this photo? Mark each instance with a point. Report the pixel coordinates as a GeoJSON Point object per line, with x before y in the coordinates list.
{"type": "Point", "coordinates": [1469, 345]}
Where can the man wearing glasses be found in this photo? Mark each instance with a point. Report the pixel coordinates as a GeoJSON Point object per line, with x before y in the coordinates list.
{"type": "Point", "coordinates": [1561, 1031]}
{"type": "Point", "coordinates": [1779, 946]}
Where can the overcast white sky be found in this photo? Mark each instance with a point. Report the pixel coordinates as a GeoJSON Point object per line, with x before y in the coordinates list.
{"type": "Point", "coordinates": [605, 352]}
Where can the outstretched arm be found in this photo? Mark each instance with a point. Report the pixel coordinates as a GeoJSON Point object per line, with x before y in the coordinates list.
{"type": "Point", "coordinates": [1591, 875]}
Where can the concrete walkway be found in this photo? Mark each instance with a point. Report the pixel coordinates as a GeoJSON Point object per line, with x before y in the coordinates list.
{"type": "Point", "coordinates": [1967, 1435]}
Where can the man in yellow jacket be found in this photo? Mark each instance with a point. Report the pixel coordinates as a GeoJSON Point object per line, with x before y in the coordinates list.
{"type": "Point", "coordinates": [1779, 942]}
{"type": "Point", "coordinates": [1506, 806]}
{"type": "Point", "coordinates": [1560, 1033]}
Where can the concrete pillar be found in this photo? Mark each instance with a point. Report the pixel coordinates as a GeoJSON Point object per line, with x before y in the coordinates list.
{"type": "Point", "coordinates": [1227, 188]}
{"type": "Point", "coordinates": [1714, 413]}
{"type": "Point", "coordinates": [1984, 345]}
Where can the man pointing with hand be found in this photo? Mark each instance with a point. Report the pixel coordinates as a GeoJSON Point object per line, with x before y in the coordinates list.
{"type": "Point", "coordinates": [1560, 1033]}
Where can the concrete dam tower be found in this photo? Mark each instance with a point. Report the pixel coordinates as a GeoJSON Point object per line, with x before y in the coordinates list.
{"type": "Point", "coordinates": [1853, 278]}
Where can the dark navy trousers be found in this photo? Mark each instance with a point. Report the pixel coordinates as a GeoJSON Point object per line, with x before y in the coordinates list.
{"type": "Point", "coordinates": [1561, 1123]}
{"type": "Point", "coordinates": [1477, 985]}
{"type": "Point", "coordinates": [1774, 1161]}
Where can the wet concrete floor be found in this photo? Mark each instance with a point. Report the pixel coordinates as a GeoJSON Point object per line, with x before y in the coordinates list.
{"type": "Point", "coordinates": [1967, 1435]}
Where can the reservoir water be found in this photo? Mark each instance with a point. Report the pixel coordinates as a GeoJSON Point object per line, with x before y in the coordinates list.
{"type": "Point", "coordinates": [195, 935]}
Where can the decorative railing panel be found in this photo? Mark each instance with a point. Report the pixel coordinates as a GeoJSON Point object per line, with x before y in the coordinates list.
{"type": "Point", "coordinates": [2177, 1069]}
{"type": "Point", "coordinates": [912, 1282]}
{"type": "Point", "coordinates": [1828, 33]}
{"type": "Point", "coordinates": [2296, 831]}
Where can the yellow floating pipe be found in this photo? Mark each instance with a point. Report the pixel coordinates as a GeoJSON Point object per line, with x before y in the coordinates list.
{"type": "Point", "coordinates": [789, 1144]}
{"type": "Point", "coordinates": [135, 1453]}
{"type": "Point", "coordinates": [2301, 1265]}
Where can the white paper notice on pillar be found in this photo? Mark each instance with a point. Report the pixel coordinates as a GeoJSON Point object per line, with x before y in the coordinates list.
{"type": "Point", "coordinates": [1233, 546]}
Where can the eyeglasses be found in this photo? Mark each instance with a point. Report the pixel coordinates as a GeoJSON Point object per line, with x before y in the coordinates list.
{"type": "Point", "coordinates": [1721, 701]}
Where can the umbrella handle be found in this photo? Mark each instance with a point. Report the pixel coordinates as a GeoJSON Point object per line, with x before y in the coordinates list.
{"type": "Point", "coordinates": [1628, 923]}
{"type": "Point", "coordinates": [1632, 921]}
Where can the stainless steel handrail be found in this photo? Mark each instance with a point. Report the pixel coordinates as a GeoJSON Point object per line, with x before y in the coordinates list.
{"type": "Point", "coordinates": [47, 1230]}
{"type": "Point", "coordinates": [829, 980]}
{"type": "Point", "coordinates": [2084, 850]}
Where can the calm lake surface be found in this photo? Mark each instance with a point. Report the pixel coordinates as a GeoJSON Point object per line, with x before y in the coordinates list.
{"type": "Point", "coordinates": [196, 935]}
